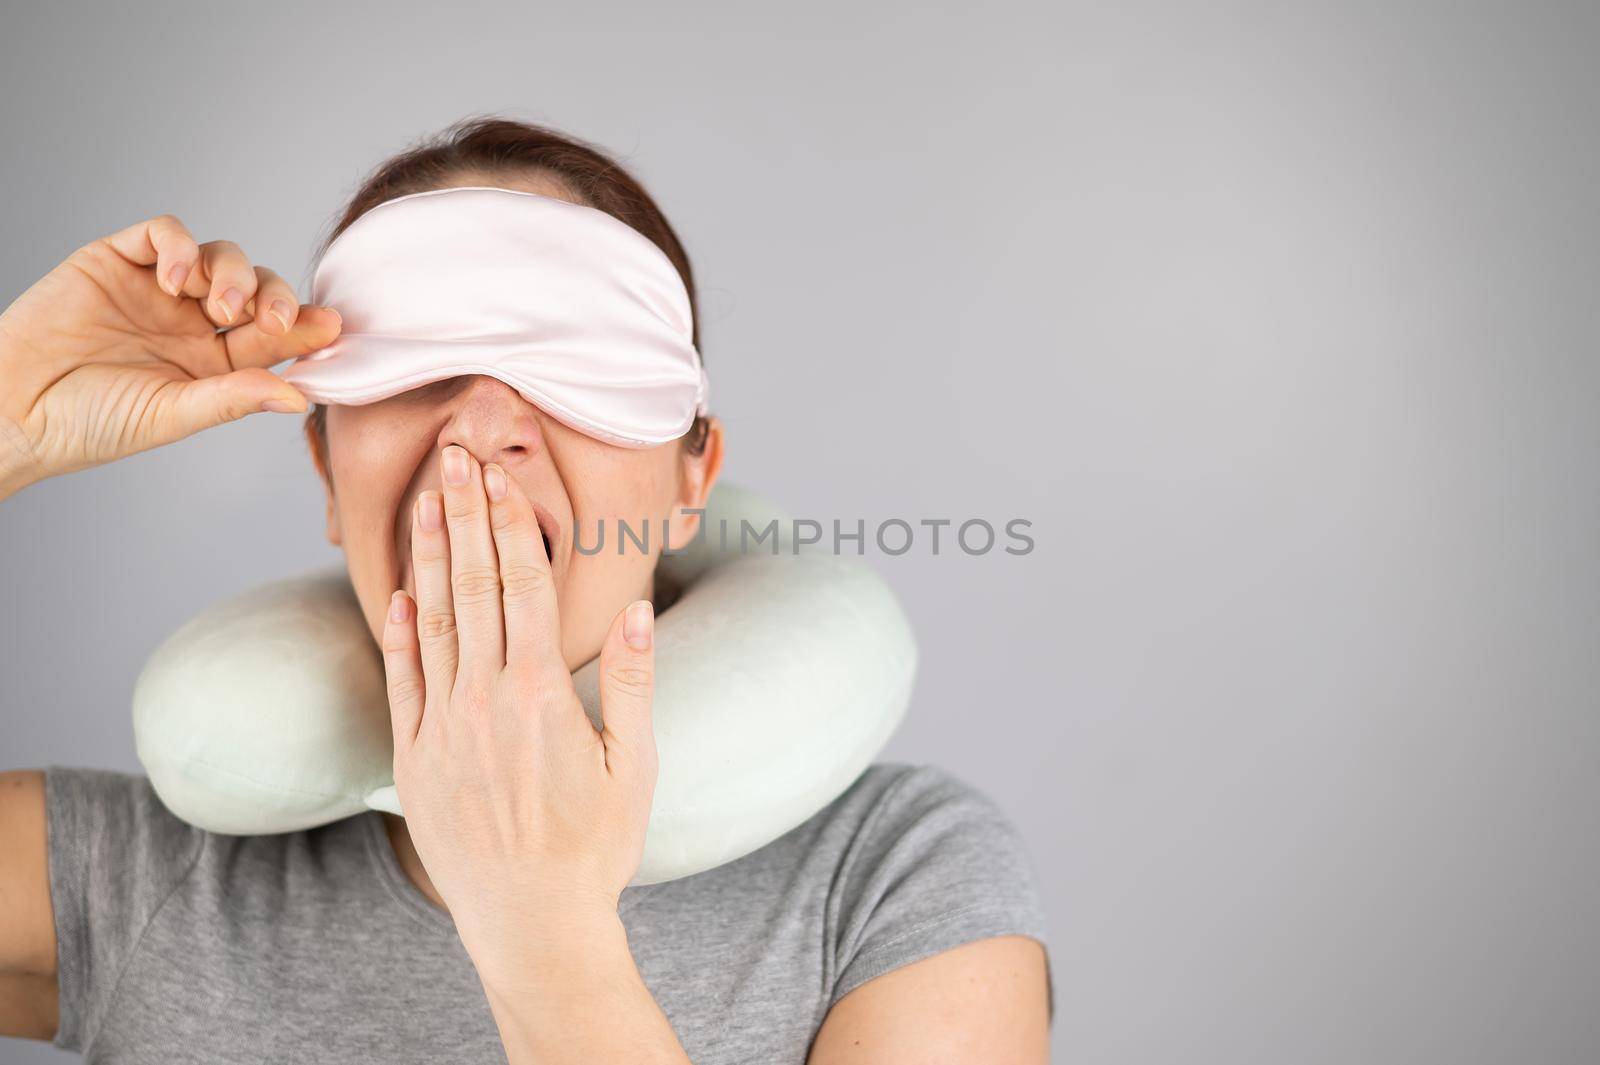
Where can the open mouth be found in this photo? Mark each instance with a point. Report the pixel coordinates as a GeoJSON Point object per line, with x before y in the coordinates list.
{"type": "Point", "coordinates": [547, 531]}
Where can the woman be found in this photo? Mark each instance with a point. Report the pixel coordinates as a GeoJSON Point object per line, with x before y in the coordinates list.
{"type": "Point", "coordinates": [899, 924]}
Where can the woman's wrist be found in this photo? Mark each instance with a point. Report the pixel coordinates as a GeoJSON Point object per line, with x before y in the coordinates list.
{"type": "Point", "coordinates": [571, 992]}
{"type": "Point", "coordinates": [18, 467]}
{"type": "Point", "coordinates": [537, 957]}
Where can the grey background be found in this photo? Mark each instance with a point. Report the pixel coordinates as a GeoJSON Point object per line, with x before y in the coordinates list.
{"type": "Point", "coordinates": [1277, 321]}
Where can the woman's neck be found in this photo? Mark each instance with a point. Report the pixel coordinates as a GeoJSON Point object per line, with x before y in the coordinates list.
{"type": "Point", "coordinates": [410, 862]}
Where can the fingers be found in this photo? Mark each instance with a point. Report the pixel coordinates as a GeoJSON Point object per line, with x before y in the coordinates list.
{"type": "Point", "coordinates": [627, 689]}
{"type": "Point", "coordinates": [436, 619]}
{"type": "Point", "coordinates": [190, 406]}
{"type": "Point", "coordinates": [163, 242]}
{"type": "Point", "coordinates": [402, 666]}
{"type": "Point", "coordinates": [251, 344]}
{"type": "Point", "coordinates": [532, 620]}
{"type": "Point", "coordinates": [223, 282]}
{"type": "Point", "coordinates": [277, 296]}
{"type": "Point", "coordinates": [217, 273]}
{"type": "Point", "coordinates": [264, 319]}
{"type": "Point", "coordinates": [474, 570]}
{"type": "Point", "coordinates": [285, 330]}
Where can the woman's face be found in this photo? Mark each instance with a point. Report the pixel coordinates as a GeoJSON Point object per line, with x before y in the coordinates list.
{"type": "Point", "coordinates": [382, 455]}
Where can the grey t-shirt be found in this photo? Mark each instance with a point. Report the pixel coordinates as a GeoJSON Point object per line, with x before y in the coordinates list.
{"type": "Point", "coordinates": [178, 945]}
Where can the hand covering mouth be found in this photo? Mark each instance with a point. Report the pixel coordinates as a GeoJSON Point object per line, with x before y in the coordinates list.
{"type": "Point", "coordinates": [549, 535]}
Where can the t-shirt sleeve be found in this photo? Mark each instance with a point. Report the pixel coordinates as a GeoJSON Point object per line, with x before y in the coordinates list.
{"type": "Point", "coordinates": [116, 854]}
{"type": "Point", "coordinates": [936, 864]}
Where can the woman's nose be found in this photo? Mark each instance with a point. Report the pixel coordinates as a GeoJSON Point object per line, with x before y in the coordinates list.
{"type": "Point", "coordinates": [493, 422]}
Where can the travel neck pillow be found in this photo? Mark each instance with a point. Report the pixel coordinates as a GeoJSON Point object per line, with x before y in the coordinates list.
{"type": "Point", "coordinates": [781, 674]}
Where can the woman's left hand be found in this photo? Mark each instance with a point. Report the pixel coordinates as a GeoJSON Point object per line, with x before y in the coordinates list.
{"type": "Point", "coordinates": [528, 820]}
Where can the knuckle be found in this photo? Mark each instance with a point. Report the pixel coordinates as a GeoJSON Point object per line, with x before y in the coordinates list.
{"type": "Point", "coordinates": [405, 690]}
{"type": "Point", "coordinates": [507, 517]}
{"type": "Point", "coordinates": [430, 546]}
{"type": "Point", "coordinates": [476, 584]}
{"type": "Point", "coordinates": [523, 580]}
{"type": "Point", "coordinates": [473, 699]}
{"type": "Point", "coordinates": [630, 680]}
{"type": "Point", "coordinates": [169, 234]}
{"type": "Point", "coordinates": [433, 624]}
{"type": "Point", "coordinates": [459, 503]}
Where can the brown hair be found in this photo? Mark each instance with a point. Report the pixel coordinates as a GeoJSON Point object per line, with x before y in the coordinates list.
{"type": "Point", "coordinates": [485, 149]}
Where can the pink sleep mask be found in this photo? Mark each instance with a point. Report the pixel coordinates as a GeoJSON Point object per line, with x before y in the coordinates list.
{"type": "Point", "coordinates": [579, 312]}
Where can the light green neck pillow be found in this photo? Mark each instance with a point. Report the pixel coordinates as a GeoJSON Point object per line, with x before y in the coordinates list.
{"type": "Point", "coordinates": [780, 676]}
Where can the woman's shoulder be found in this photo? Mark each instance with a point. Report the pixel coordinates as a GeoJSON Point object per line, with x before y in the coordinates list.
{"type": "Point", "coordinates": [115, 855]}
{"type": "Point", "coordinates": [891, 795]}
{"type": "Point", "coordinates": [904, 807]}
{"type": "Point", "coordinates": [94, 779]}
{"type": "Point", "coordinates": [117, 820]}
{"type": "Point", "coordinates": [102, 808]}
{"type": "Point", "coordinates": [917, 777]}
{"type": "Point", "coordinates": [932, 861]}
{"type": "Point", "coordinates": [926, 843]}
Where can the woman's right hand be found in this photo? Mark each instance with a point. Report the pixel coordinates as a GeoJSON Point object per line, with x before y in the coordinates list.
{"type": "Point", "coordinates": [99, 359]}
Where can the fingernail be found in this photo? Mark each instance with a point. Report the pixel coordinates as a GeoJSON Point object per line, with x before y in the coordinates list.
{"type": "Point", "coordinates": [397, 606]}
{"type": "Point", "coordinates": [494, 480]}
{"type": "Point", "coordinates": [430, 510]}
{"type": "Point", "coordinates": [280, 406]}
{"type": "Point", "coordinates": [177, 276]}
{"type": "Point", "coordinates": [229, 303]}
{"type": "Point", "coordinates": [339, 316]}
{"type": "Point", "coordinates": [455, 465]}
{"type": "Point", "coordinates": [637, 625]}
{"type": "Point", "coordinates": [281, 311]}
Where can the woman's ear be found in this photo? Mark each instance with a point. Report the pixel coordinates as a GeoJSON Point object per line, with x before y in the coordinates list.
{"type": "Point", "coordinates": [318, 444]}
{"type": "Point", "coordinates": [696, 477]}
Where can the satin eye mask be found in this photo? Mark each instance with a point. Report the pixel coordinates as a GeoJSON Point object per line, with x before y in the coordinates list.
{"type": "Point", "coordinates": [579, 312]}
